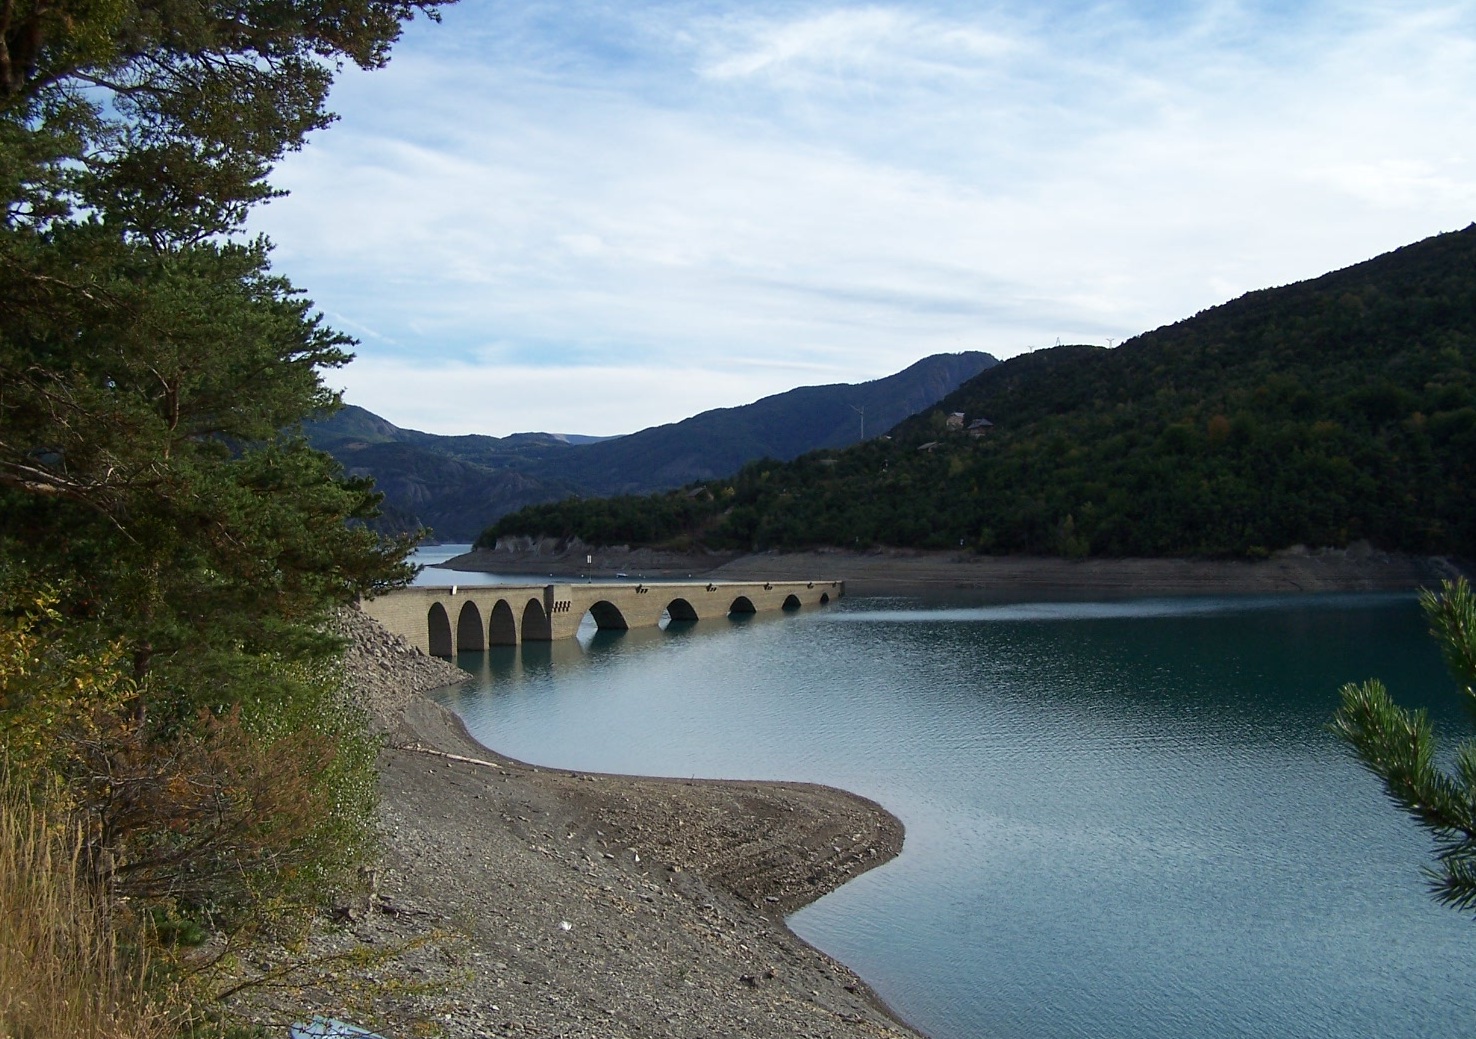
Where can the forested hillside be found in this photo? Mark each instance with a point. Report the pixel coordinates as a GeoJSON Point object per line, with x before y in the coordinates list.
{"type": "Point", "coordinates": [457, 485]}
{"type": "Point", "coordinates": [450, 485]}
{"type": "Point", "coordinates": [1332, 410]}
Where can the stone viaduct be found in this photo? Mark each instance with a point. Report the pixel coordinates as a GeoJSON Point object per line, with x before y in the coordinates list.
{"type": "Point", "coordinates": [443, 621]}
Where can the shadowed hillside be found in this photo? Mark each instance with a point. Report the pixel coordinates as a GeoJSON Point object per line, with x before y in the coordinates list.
{"type": "Point", "coordinates": [457, 485]}
{"type": "Point", "coordinates": [1329, 411]}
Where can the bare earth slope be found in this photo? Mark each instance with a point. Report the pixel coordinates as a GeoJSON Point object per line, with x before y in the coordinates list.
{"type": "Point", "coordinates": [1017, 578]}
{"type": "Point", "coordinates": [568, 904]}
{"type": "Point", "coordinates": [897, 571]}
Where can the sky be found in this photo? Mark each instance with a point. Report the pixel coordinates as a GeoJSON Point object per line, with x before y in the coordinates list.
{"type": "Point", "coordinates": [594, 217]}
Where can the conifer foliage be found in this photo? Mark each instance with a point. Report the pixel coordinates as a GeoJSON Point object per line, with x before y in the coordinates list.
{"type": "Point", "coordinates": [163, 526]}
{"type": "Point", "coordinates": [1398, 746]}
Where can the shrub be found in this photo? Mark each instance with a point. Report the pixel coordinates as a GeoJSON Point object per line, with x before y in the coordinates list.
{"type": "Point", "coordinates": [68, 967]}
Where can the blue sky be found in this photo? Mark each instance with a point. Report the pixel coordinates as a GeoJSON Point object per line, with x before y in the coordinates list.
{"type": "Point", "coordinates": [593, 217]}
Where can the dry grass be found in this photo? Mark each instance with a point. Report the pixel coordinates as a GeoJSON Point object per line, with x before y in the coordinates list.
{"type": "Point", "coordinates": [62, 974]}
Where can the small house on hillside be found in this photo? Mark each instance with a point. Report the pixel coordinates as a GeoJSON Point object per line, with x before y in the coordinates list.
{"type": "Point", "coordinates": [955, 420]}
{"type": "Point", "coordinates": [980, 427]}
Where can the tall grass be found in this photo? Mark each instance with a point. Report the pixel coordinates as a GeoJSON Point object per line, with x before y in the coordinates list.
{"type": "Point", "coordinates": [62, 973]}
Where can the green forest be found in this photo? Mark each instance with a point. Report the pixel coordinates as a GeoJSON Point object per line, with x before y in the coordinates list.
{"type": "Point", "coordinates": [1320, 413]}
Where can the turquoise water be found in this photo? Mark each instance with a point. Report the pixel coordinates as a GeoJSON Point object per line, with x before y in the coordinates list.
{"type": "Point", "coordinates": [1123, 819]}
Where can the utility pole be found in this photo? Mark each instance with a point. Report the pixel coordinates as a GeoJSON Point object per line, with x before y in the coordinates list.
{"type": "Point", "coordinates": [861, 410]}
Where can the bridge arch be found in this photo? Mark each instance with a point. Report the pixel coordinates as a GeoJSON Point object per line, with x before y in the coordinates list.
{"type": "Point", "coordinates": [791, 602]}
{"type": "Point", "coordinates": [681, 610]}
{"type": "Point", "coordinates": [502, 626]}
{"type": "Point", "coordinates": [469, 635]}
{"type": "Point", "coordinates": [438, 631]}
{"type": "Point", "coordinates": [536, 625]}
{"type": "Point", "coordinates": [440, 621]}
{"type": "Point", "coordinates": [607, 616]}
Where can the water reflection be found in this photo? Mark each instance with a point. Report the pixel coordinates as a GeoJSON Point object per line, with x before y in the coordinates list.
{"type": "Point", "coordinates": [540, 662]}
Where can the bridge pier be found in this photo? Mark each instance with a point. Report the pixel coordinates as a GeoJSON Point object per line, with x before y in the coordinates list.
{"type": "Point", "coordinates": [443, 621]}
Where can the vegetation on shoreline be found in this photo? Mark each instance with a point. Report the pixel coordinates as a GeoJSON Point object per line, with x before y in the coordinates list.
{"type": "Point", "coordinates": [169, 557]}
{"type": "Point", "coordinates": [1321, 413]}
{"type": "Point", "coordinates": [65, 972]}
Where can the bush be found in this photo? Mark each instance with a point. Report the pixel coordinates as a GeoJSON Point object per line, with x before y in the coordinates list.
{"type": "Point", "coordinates": [68, 971]}
{"type": "Point", "coordinates": [242, 819]}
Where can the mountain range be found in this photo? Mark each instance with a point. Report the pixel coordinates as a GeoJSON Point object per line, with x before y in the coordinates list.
{"type": "Point", "coordinates": [457, 485]}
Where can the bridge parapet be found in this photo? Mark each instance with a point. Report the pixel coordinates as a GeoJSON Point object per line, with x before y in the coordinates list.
{"type": "Point", "coordinates": [444, 620]}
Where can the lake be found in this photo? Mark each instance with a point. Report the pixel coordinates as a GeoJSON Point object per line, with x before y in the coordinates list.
{"type": "Point", "coordinates": [1123, 819]}
{"type": "Point", "coordinates": [428, 555]}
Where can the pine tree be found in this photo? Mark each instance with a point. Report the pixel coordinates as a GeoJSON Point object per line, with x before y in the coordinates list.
{"type": "Point", "coordinates": [153, 369]}
{"type": "Point", "coordinates": [1399, 747]}
{"type": "Point", "coordinates": [155, 493]}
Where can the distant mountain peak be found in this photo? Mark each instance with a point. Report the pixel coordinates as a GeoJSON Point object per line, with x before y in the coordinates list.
{"type": "Point", "coordinates": [457, 485]}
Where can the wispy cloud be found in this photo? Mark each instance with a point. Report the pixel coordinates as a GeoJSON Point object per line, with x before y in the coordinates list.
{"type": "Point", "coordinates": [844, 47]}
{"type": "Point", "coordinates": [663, 188]}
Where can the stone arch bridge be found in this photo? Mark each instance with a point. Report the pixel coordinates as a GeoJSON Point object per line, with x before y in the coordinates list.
{"type": "Point", "coordinates": [443, 621]}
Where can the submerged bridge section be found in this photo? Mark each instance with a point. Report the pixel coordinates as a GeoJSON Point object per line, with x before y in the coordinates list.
{"type": "Point", "coordinates": [447, 620]}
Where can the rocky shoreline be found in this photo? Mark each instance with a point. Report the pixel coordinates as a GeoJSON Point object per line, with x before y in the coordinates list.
{"type": "Point", "coordinates": [891, 571]}
{"type": "Point", "coordinates": [542, 902]}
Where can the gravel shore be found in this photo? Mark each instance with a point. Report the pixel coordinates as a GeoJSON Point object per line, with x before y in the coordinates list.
{"type": "Point", "coordinates": [895, 571]}
{"type": "Point", "coordinates": [537, 902]}
{"type": "Point", "coordinates": [1358, 568]}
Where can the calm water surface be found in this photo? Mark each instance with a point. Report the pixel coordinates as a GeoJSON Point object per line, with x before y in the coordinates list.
{"type": "Point", "coordinates": [428, 555]}
{"type": "Point", "coordinates": [435, 576]}
{"type": "Point", "coordinates": [1123, 820]}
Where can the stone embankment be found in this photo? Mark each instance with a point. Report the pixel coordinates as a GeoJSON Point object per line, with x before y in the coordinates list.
{"type": "Point", "coordinates": [571, 557]}
{"type": "Point", "coordinates": [383, 674]}
{"type": "Point", "coordinates": [543, 902]}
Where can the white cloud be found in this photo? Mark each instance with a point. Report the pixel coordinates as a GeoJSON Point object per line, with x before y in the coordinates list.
{"type": "Point", "coordinates": [874, 43]}
{"type": "Point", "coordinates": [844, 188]}
{"type": "Point", "coordinates": [452, 397]}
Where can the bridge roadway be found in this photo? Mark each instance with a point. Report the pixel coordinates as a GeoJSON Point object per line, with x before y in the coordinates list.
{"type": "Point", "coordinates": [443, 621]}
